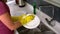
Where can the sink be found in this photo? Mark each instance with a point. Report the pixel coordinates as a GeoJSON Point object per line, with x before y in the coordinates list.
{"type": "Point", "coordinates": [16, 11]}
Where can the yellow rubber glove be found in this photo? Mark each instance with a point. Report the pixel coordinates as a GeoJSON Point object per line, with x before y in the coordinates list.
{"type": "Point", "coordinates": [24, 19]}
{"type": "Point", "coordinates": [14, 18]}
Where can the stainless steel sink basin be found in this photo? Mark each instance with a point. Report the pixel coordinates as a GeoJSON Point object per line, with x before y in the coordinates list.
{"type": "Point", "coordinates": [15, 10]}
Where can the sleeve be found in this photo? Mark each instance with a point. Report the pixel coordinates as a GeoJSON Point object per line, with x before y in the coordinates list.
{"type": "Point", "coordinates": [3, 8]}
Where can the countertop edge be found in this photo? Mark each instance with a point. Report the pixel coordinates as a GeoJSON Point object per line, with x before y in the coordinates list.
{"type": "Point", "coordinates": [51, 2]}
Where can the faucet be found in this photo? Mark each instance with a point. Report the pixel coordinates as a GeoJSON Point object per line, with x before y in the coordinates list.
{"type": "Point", "coordinates": [51, 22]}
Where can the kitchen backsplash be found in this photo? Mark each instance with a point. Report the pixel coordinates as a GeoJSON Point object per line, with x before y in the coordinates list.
{"type": "Point", "coordinates": [47, 8]}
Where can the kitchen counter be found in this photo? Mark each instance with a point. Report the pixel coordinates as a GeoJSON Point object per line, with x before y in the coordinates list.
{"type": "Point", "coordinates": [54, 2]}
{"type": "Point", "coordinates": [16, 10]}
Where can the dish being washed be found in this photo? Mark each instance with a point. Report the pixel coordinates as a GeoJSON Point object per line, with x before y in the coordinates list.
{"type": "Point", "coordinates": [29, 21]}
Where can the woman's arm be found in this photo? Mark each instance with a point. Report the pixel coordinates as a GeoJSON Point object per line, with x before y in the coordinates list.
{"type": "Point", "coordinates": [6, 19]}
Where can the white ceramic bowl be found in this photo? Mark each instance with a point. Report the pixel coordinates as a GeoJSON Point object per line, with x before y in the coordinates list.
{"type": "Point", "coordinates": [34, 23]}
